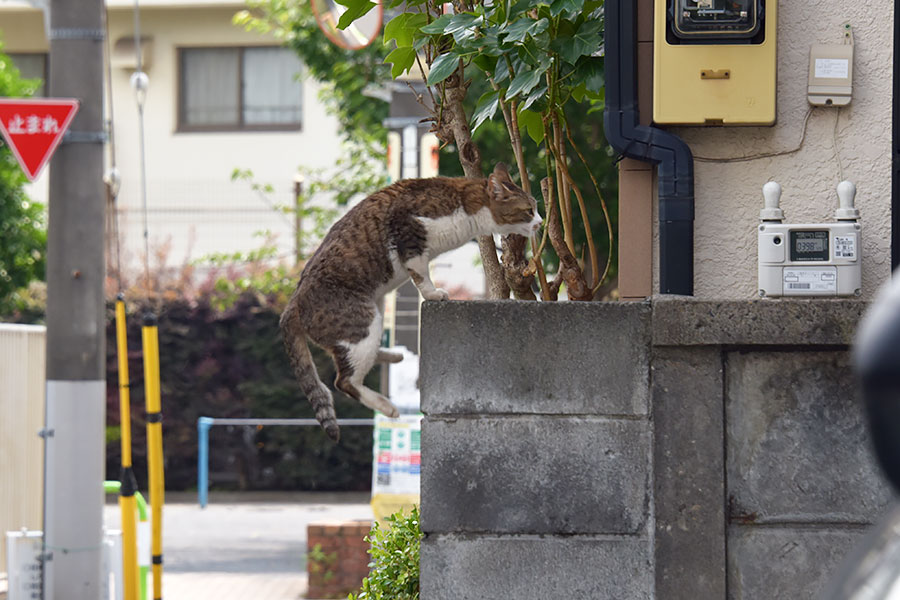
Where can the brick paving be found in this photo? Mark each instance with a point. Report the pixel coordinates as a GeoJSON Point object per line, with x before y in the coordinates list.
{"type": "Point", "coordinates": [243, 546]}
{"type": "Point", "coordinates": [222, 586]}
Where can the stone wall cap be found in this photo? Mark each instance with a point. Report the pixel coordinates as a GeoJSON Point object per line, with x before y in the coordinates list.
{"type": "Point", "coordinates": [687, 321]}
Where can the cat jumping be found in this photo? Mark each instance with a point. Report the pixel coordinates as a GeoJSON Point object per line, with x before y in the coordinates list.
{"type": "Point", "coordinates": [385, 239]}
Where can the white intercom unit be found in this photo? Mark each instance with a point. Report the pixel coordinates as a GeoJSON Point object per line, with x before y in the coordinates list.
{"type": "Point", "coordinates": [809, 259]}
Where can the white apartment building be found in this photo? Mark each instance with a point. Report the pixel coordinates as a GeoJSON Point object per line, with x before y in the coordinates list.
{"type": "Point", "coordinates": [220, 98]}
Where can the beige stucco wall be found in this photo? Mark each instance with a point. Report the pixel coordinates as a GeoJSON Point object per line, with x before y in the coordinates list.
{"type": "Point", "coordinates": [192, 170]}
{"type": "Point", "coordinates": [728, 196]}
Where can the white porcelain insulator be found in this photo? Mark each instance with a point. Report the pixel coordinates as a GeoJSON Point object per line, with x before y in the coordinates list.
{"type": "Point", "coordinates": [772, 196]}
{"type": "Point", "coordinates": [846, 210]}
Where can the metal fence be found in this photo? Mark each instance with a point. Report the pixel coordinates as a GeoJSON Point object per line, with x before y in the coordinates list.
{"type": "Point", "coordinates": [188, 222]}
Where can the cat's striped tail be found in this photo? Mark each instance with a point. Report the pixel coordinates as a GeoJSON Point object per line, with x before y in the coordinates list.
{"type": "Point", "coordinates": [317, 393]}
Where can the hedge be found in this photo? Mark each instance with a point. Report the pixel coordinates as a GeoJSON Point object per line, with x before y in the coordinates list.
{"type": "Point", "coordinates": [231, 363]}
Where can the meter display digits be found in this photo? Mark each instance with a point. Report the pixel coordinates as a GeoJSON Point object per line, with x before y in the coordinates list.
{"type": "Point", "coordinates": [809, 246]}
{"type": "Point", "coordinates": [716, 18]}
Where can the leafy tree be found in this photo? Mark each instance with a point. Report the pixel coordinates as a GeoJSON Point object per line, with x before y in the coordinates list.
{"type": "Point", "coordinates": [536, 63]}
{"type": "Point", "coordinates": [539, 56]}
{"type": "Point", "coordinates": [23, 236]}
{"type": "Point", "coordinates": [586, 127]}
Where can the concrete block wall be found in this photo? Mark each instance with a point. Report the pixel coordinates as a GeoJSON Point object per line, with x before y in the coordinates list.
{"type": "Point", "coordinates": [537, 478]}
{"type": "Point", "coordinates": [668, 449]}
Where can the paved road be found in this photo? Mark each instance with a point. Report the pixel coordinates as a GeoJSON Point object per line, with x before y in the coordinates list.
{"type": "Point", "coordinates": [243, 545]}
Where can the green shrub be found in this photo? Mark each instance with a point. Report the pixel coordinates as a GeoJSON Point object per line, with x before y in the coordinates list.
{"type": "Point", "coordinates": [395, 560]}
{"type": "Point", "coordinates": [231, 363]}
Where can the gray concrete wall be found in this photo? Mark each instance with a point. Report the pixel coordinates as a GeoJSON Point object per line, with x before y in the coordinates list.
{"type": "Point", "coordinates": [670, 449]}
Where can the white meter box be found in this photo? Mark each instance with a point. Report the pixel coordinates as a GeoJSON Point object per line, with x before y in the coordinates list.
{"type": "Point", "coordinates": [809, 260]}
{"type": "Point", "coordinates": [821, 259]}
{"type": "Point", "coordinates": [24, 549]}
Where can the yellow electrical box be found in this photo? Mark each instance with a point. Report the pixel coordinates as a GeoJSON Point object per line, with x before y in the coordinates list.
{"type": "Point", "coordinates": [714, 62]}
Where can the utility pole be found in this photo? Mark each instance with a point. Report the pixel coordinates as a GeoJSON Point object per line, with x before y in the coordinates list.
{"type": "Point", "coordinates": [76, 388]}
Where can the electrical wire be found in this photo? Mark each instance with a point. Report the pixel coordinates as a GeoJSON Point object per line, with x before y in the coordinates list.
{"type": "Point", "coordinates": [834, 144]}
{"type": "Point", "coordinates": [848, 39]}
{"type": "Point", "coordinates": [139, 82]}
{"type": "Point", "coordinates": [113, 180]}
{"type": "Point", "coordinates": [750, 157]}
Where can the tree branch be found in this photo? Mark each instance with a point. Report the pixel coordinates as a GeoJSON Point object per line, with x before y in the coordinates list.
{"type": "Point", "coordinates": [569, 271]}
{"type": "Point", "coordinates": [453, 121]}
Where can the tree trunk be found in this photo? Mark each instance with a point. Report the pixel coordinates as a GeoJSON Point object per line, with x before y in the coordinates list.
{"type": "Point", "coordinates": [569, 271]}
{"type": "Point", "coordinates": [454, 119]}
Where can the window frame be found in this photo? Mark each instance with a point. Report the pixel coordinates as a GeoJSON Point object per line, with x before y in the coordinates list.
{"type": "Point", "coordinates": [45, 77]}
{"type": "Point", "coordinates": [183, 127]}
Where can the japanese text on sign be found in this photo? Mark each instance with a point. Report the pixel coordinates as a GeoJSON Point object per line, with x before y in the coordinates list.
{"type": "Point", "coordinates": [32, 124]}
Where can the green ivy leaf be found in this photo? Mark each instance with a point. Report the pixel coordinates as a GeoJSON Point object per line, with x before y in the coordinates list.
{"type": "Point", "coordinates": [596, 106]}
{"type": "Point", "coordinates": [585, 41]}
{"type": "Point", "coordinates": [570, 7]}
{"type": "Point", "coordinates": [524, 82]}
{"type": "Point", "coordinates": [537, 94]}
{"type": "Point", "coordinates": [517, 31]}
{"type": "Point", "coordinates": [489, 42]}
{"type": "Point", "coordinates": [403, 28]}
{"type": "Point", "coordinates": [531, 122]}
{"type": "Point", "coordinates": [485, 108]}
{"type": "Point", "coordinates": [486, 63]}
{"type": "Point", "coordinates": [579, 92]}
{"type": "Point", "coordinates": [442, 68]}
{"type": "Point", "coordinates": [590, 71]}
{"type": "Point", "coordinates": [394, 28]}
{"type": "Point", "coordinates": [355, 9]}
{"type": "Point", "coordinates": [401, 59]}
{"type": "Point", "coordinates": [461, 22]}
{"type": "Point", "coordinates": [520, 7]}
{"type": "Point", "coordinates": [437, 26]}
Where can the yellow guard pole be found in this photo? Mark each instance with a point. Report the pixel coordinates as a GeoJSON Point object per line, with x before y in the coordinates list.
{"type": "Point", "coordinates": [126, 477]}
{"type": "Point", "coordinates": [150, 337]}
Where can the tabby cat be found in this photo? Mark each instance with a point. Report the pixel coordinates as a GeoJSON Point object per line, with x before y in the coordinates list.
{"type": "Point", "coordinates": [389, 236]}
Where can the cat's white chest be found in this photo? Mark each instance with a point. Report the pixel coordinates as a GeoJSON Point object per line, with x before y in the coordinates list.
{"type": "Point", "coordinates": [454, 230]}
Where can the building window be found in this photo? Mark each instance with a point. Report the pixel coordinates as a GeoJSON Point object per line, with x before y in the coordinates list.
{"type": "Point", "coordinates": [32, 66]}
{"type": "Point", "coordinates": [225, 89]}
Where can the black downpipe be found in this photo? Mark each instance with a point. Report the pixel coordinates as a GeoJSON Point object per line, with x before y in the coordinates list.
{"type": "Point", "coordinates": [649, 144]}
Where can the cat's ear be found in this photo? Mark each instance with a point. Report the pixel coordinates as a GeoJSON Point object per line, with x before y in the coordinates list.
{"type": "Point", "coordinates": [499, 182]}
{"type": "Point", "coordinates": [495, 185]}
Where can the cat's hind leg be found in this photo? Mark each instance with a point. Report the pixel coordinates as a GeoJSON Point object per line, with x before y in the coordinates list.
{"type": "Point", "coordinates": [386, 356]}
{"type": "Point", "coordinates": [354, 360]}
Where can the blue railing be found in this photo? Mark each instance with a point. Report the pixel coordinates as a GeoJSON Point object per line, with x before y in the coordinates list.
{"type": "Point", "coordinates": [204, 423]}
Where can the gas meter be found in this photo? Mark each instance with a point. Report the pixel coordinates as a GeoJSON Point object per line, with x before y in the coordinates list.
{"type": "Point", "coordinates": [714, 62]}
{"type": "Point", "coordinates": [809, 260]}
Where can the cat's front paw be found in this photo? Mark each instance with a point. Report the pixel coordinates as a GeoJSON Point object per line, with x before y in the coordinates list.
{"type": "Point", "coordinates": [438, 294]}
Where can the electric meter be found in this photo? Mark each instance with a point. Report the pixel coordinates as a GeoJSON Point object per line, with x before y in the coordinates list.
{"type": "Point", "coordinates": [714, 62]}
{"type": "Point", "coordinates": [809, 259]}
{"type": "Point", "coordinates": [716, 19]}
